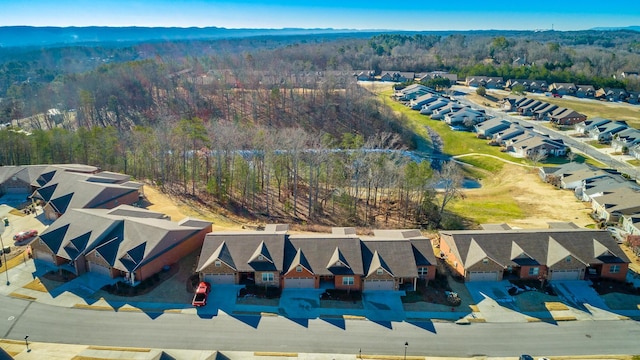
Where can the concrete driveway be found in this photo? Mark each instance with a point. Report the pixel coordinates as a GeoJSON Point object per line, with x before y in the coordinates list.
{"type": "Point", "coordinates": [578, 293]}
{"type": "Point", "coordinates": [300, 303]}
{"type": "Point", "coordinates": [383, 305]}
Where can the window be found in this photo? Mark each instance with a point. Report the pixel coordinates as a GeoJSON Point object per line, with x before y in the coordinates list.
{"type": "Point", "coordinates": [218, 263]}
{"type": "Point", "coordinates": [568, 259]}
{"type": "Point", "coordinates": [485, 261]}
{"type": "Point", "coordinates": [614, 269]}
{"type": "Point", "coordinates": [298, 268]}
{"type": "Point", "coordinates": [379, 272]}
{"type": "Point", "coordinates": [423, 271]}
{"type": "Point", "coordinates": [338, 263]}
{"type": "Point", "coordinates": [347, 280]}
{"type": "Point", "coordinates": [260, 257]}
{"type": "Point", "coordinates": [534, 271]}
{"type": "Point", "coordinates": [267, 277]}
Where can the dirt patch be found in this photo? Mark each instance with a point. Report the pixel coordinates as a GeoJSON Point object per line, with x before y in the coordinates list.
{"type": "Point", "coordinates": [539, 202]}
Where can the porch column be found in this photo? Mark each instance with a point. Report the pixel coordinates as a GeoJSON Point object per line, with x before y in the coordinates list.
{"type": "Point", "coordinates": [415, 284]}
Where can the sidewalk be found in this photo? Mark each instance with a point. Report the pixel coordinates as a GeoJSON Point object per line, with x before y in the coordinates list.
{"type": "Point", "coordinates": [39, 351]}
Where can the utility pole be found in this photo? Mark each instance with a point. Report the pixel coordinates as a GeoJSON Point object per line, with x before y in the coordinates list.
{"type": "Point", "coordinates": [4, 253]}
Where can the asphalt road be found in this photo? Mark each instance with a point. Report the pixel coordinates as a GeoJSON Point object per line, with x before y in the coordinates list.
{"type": "Point", "coordinates": [571, 142]}
{"type": "Point", "coordinates": [45, 323]}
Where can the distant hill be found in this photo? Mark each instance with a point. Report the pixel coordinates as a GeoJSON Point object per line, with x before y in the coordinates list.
{"type": "Point", "coordinates": [633, 28]}
{"type": "Point", "coordinates": [16, 36]}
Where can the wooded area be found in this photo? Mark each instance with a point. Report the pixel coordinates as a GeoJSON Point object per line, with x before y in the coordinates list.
{"type": "Point", "coordinates": [273, 128]}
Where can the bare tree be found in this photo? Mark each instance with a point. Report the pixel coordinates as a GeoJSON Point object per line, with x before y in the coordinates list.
{"type": "Point", "coordinates": [448, 181]}
{"type": "Point", "coordinates": [537, 156]}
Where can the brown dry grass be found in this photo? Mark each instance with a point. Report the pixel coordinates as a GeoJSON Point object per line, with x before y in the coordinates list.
{"type": "Point", "coordinates": [517, 196]}
{"type": "Point", "coordinates": [179, 208]}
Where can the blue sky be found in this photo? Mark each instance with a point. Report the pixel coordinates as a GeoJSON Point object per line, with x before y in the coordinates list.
{"type": "Point", "coordinates": [372, 14]}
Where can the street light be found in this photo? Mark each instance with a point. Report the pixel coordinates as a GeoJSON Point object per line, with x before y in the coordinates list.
{"type": "Point", "coordinates": [26, 342]}
{"type": "Point", "coordinates": [406, 345]}
{"type": "Point", "coordinates": [6, 269]}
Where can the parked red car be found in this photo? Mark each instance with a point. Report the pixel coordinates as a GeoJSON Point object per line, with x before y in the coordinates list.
{"type": "Point", "coordinates": [202, 292]}
{"type": "Point", "coordinates": [24, 235]}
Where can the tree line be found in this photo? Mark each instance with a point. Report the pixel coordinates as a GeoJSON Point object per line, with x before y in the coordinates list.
{"type": "Point", "coordinates": [284, 174]}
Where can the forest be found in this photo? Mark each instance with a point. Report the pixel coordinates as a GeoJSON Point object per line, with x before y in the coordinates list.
{"type": "Point", "coordinates": [274, 127]}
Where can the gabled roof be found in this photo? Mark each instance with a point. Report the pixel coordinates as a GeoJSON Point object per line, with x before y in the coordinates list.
{"type": "Point", "coordinates": [320, 251]}
{"type": "Point", "coordinates": [261, 254]}
{"type": "Point", "coordinates": [122, 241]}
{"type": "Point", "coordinates": [300, 260]}
{"type": "Point", "coordinates": [222, 254]}
{"type": "Point", "coordinates": [337, 259]}
{"type": "Point", "coordinates": [542, 246]}
{"type": "Point", "coordinates": [244, 246]}
{"type": "Point", "coordinates": [378, 263]}
{"type": "Point", "coordinates": [394, 256]}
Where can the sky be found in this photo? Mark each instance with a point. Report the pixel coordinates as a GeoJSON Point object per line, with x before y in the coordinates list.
{"type": "Point", "coordinates": [345, 14]}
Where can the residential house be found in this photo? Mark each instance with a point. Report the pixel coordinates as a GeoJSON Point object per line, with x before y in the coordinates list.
{"type": "Point", "coordinates": [438, 74]}
{"type": "Point", "coordinates": [397, 76]}
{"type": "Point", "coordinates": [127, 242]}
{"type": "Point", "coordinates": [439, 114]}
{"type": "Point", "coordinates": [364, 75]}
{"type": "Point", "coordinates": [604, 133]}
{"type": "Point", "coordinates": [412, 91]}
{"type": "Point", "coordinates": [631, 224]}
{"type": "Point", "coordinates": [503, 137]}
{"type": "Point", "coordinates": [61, 189]}
{"type": "Point", "coordinates": [585, 91]}
{"type": "Point", "coordinates": [536, 254]}
{"type": "Point", "coordinates": [634, 97]}
{"type": "Point", "coordinates": [428, 109]}
{"type": "Point", "coordinates": [552, 174]}
{"type": "Point", "coordinates": [487, 129]}
{"type": "Point", "coordinates": [466, 117]}
{"type": "Point", "coordinates": [611, 94]}
{"type": "Point", "coordinates": [574, 179]}
{"type": "Point", "coordinates": [564, 116]}
{"type": "Point", "coordinates": [599, 186]}
{"type": "Point", "coordinates": [538, 86]}
{"type": "Point", "coordinates": [18, 179]}
{"type": "Point", "coordinates": [511, 83]}
{"type": "Point", "coordinates": [529, 146]}
{"type": "Point", "coordinates": [587, 125]}
{"type": "Point", "coordinates": [340, 260]}
{"type": "Point", "coordinates": [489, 82]}
{"type": "Point", "coordinates": [510, 103]}
{"type": "Point", "coordinates": [542, 112]}
{"type": "Point", "coordinates": [417, 103]}
{"type": "Point", "coordinates": [563, 88]}
{"type": "Point", "coordinates": [625, 140]}
{"type": "Point", "coordinates": [528, 109]}
{"type": "Point", "coordinates": [612, 205]}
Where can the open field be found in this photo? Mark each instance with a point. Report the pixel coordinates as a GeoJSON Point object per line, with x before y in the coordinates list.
{"type": "Point", "coordinates": [517, 196]}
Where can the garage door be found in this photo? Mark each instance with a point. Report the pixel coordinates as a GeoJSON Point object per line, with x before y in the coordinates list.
{"type": "Point", "coordinates": [219, 279]}
{"type": "Point", "coordinates": [379, 285]}
{"type": "Point", "coordinates": [44, 256]}
{"type": "Point", "coordinates": [299, 283]}
{"type": "Point", "coordinates": [565, 274]}
{"type": "Point", "coordinates": [99, 269]}
{"type": "Point", "coordinates": [483, 276]}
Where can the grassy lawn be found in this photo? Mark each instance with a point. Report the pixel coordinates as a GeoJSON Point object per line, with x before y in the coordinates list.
{"type": "Point", "coordinates": [634, 162]}
{"type": "Point", "coordinates": [596, 144]}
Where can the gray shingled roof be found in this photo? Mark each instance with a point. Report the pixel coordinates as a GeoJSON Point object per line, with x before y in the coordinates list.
{"type": "Point", "coordinates": [242, 247]}
{"type": "Point", "coordinates": [394, 256]}
{"type": "Point", "coordinates": [544, 246]}
{"type": "Point", "coordinates": [141, 237]}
